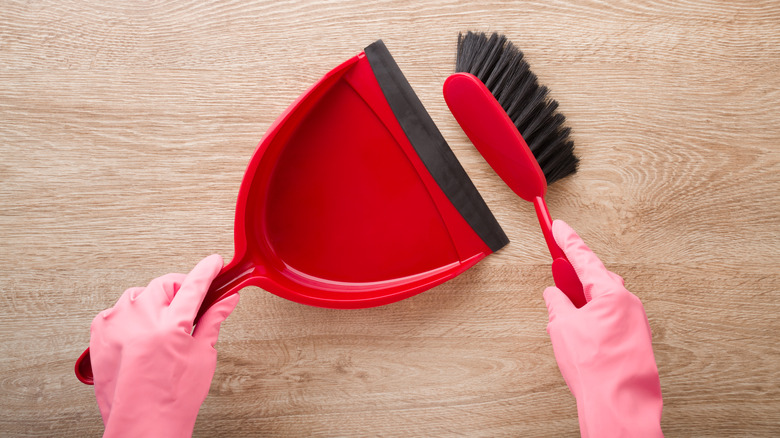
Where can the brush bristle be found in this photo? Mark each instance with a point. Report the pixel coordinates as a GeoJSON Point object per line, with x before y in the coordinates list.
{"type": "Point", "coordinates": [501, 67]}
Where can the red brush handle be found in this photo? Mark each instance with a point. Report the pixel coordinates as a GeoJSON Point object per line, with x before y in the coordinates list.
{"type": "Point", "coordinates": [564, 275]}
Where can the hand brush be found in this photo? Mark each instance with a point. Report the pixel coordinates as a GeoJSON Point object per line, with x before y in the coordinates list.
{"type": "Point", "coordinates": [509, 117]}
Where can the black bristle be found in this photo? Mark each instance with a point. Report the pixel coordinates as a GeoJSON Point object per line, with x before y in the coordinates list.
{"type": "Point", "coordinates": [501, 67]}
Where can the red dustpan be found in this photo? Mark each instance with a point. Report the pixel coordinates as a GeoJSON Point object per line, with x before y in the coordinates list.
{"type": "Point", "coordinates": [353, 199]}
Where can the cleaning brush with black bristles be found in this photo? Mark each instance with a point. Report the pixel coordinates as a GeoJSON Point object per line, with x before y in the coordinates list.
{"type": "Point", "coordinates": [515, 125]}
{"type": "Point", "coordinates": [496, 62]}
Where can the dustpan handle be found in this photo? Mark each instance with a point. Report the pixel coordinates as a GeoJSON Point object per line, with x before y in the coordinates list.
{"type": "Point", "coordinates": [230, 280]}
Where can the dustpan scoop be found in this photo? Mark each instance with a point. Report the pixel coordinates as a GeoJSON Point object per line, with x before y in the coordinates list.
{"type": "Point", "coordinates": [353, 199]}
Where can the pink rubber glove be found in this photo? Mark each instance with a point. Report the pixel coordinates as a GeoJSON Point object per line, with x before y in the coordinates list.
{"type": "Point", "coordinates": [604, 349]}
{"type": "Point", "coordinates": [151, 374]}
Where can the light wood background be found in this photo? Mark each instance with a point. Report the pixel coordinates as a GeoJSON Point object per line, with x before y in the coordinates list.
{"type": "Point", "coordinates": [125, 128]}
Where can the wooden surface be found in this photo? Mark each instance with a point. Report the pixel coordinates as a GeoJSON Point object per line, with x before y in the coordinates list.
{"type": "Point", "coordinates": [125, 129]}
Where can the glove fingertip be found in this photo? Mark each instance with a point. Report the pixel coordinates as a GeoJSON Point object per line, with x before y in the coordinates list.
{"type": "Point", "coordinates": [208, 268]}
{"type": "Point", "coordinates": [228, 304]}
{"type": "Point", "coordinates": [212, 319]}
{"type": "Point", "coordinates": [215, 260]}
{"type": "Point", "coordinates": [562, 232]}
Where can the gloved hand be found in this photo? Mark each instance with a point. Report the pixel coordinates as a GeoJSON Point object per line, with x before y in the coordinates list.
{"type": "Point", "coordinates": [151, 370]}
{"type": "Point", "coordinates": [604, 349]}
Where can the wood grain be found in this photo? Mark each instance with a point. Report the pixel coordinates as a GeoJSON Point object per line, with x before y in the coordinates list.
{"type": "Point", "coordinates": [126, 128]}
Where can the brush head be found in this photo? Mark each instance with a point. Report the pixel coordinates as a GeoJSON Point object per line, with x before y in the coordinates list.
{"type": "Point", "coordinates": [496, 62]}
